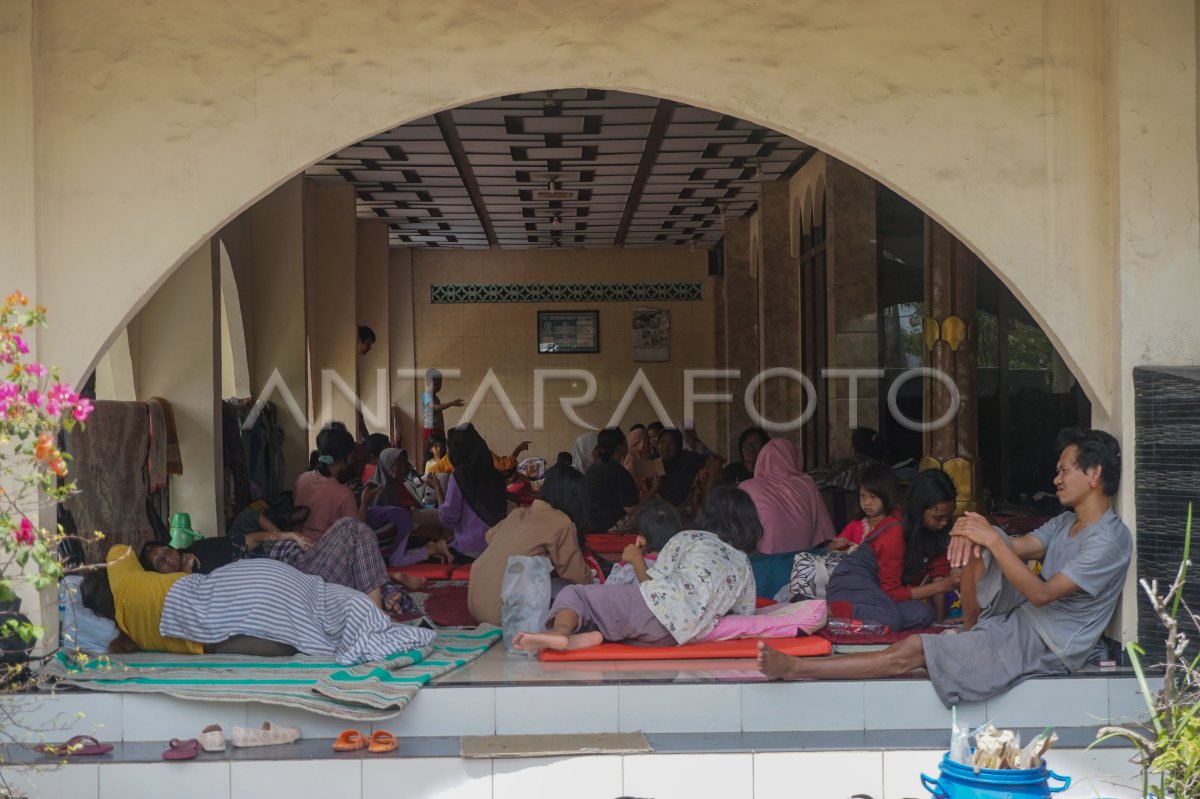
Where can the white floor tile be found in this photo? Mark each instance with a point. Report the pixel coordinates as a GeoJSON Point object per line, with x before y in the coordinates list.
{"type": "Point", "coordinates": [157, 717]}
{"type": "Point", "coordinates": [913, 705]}
{"type": "Point", "coordinates": [296, 779]}
{"type": "Point", "coordinates": [1096, 772]}
{"type": "Point", "coordinates": [688, 776]}
{"type": "Point", "coordinates": [556, 709]}
{"type": "Point", "coordinates": [176, 780]}
{"type": "Point", "coordinates": [427, 778]}
{"type": "Point", "coordinates": [828, 775]}
{"type": "Point", "coordinates": [1057, 702]}
{"type": "Point", "coordinates": [778, 706]}
{"type": "Point", "coordinates": [74, 781]}
{"type": "Point", "coordinates": [445, 711]}
{"type": "Point", "coordinates": [575, 777]}
{"type": "Point", "coordinates": [56, 716]}
{"type": "Point", "coordinates": [902, 772]}
{"type": "Point", "coordinates": [680, 708]}
{"type": "Point", "coordinates": [311, 725]}
{"type": "Point", "coordinates": [1126, 705]}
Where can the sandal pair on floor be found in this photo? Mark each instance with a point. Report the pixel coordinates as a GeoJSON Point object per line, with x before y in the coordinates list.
{"type": "Point", "coordinates": [212, 739]}
{"type": "Point", "coordinates": [379, 742]}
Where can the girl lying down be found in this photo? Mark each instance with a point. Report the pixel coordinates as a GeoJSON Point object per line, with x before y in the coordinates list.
{"type": "Point", "coordinates": [250, 607]}
{"type": "Point", "coordinates": [699, 576]}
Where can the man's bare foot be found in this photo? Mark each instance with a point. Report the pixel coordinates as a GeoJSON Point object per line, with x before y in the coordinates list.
{"type": "Point", "coordinates": [532, 642]}
{"type": "Point", "coordinates": [410, 581]}
{"type": "Point", "coordinates": [584, 640]}
{"type": "Point", "coordinates": [775, 664]}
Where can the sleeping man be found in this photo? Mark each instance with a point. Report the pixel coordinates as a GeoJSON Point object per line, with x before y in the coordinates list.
{"type": "Point", "coordinates": [1018, 624]}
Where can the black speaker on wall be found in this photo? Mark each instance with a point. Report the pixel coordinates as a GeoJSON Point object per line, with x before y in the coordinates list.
{"type": "Point", "coordinates": [716, 259]}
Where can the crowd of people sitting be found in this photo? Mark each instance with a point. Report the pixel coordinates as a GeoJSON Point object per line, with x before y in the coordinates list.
{"type": "Point", "coordinates": [711, 538]}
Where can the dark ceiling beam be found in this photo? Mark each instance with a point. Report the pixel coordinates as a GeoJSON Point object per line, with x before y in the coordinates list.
{"type": "Point", "coordinates": [445, 123]}
{"type": "Point", "coordinates": [654, 140]}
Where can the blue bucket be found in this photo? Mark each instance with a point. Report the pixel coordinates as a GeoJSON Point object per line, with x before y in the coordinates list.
{"type": "Point", "coordinates": [962, 782]}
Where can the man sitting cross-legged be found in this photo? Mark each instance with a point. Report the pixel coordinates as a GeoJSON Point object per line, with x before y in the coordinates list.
{"type": "Point", "coordinates": [1019, 625]}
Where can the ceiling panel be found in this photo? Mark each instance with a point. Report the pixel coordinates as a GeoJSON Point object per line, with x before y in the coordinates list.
{"type": "Point", "coordinates": [637, 172]}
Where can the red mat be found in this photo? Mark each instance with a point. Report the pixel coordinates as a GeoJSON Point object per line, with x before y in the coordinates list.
{"type": "Point", "coordinates": [609, 543]}
{"type": "Point", "coordinates": [461, 572]}
{"type": "Point", "coordinates": [741, 648]}
{"type": "Point", "coordinates": [447, 606]}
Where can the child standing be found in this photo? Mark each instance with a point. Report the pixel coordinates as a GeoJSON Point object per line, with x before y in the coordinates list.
{"type": "Point", "coordinates": [432, 407]}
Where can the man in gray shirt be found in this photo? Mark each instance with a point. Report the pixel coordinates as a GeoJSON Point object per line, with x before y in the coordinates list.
{"type": "Point", "coordinates": [1017, 624]}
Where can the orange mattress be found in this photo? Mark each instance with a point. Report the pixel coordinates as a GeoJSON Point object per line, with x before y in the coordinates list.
{"type": "Point", "coordinates": [461, 572]}
{"type": "Point", "coordinates": [808, 646]}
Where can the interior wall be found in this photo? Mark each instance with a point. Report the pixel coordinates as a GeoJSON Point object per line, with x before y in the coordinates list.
{"type": "Point", "coordinates": [371, 276]}
{"type": "Point", "coordinates": [503, 337]}
{"type": "Point", "coordinates": [178, 358]}
{"type": "Point", "coordinates": [278, 352]}
{"type": "Point", "coordinates": [402, 353]}
{"type": "Point", "coordinates": [329, 266]}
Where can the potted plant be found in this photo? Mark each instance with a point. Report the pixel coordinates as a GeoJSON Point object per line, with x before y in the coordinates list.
{"type": "Point", "coordinates": [1168, 746]}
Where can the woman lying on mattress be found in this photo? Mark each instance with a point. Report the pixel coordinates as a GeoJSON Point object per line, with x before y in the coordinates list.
{"type": "Point", "coordinates": [347, 554]}
{"type": "Point", "coordinates": [250, 607]}
{"type": "Point", "coordinates": [699, 576]}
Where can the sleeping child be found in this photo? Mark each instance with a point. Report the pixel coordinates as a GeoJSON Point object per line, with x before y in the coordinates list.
{"type": "Point", "coordinates": [700, 576]}
{"type": "Point", "coordinates": [658, 522]}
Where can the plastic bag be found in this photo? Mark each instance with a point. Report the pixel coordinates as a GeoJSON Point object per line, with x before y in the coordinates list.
{"type": "Point", "coordinates": [524, 596]}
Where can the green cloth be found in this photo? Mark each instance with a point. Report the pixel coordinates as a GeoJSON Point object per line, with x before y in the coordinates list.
{"type": "Point", "coordinates": [366, 692]}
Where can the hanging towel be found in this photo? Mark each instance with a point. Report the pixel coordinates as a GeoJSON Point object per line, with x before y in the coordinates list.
{"type": "Point", "coordinates": [174, 459]}
{"type": "Point", "coordinates": [156, 460]}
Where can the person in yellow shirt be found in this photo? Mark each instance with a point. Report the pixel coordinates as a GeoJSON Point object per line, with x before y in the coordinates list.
{"type": "Point", "coordinates": [138, 597]}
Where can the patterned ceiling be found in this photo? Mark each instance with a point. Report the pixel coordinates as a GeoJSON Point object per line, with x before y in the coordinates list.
{"type": "Point", "coordinates": [568, 168]}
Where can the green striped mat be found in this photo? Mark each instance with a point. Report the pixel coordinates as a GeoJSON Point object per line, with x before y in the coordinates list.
{"type": "Point", "coordinates": [379, 689]}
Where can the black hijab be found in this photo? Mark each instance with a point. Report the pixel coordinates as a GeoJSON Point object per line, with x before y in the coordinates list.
{"type": "Point", "coordinates": [481, 485]}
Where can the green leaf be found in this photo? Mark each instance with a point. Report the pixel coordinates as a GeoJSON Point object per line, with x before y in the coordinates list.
{"type": "Point", "coordinates": [1135, 660]}
{"type": "Point", "coordinates": [1187, 547]}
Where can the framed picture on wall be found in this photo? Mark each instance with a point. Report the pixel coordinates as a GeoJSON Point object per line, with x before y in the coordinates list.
{"type": "Point", "coordinates": [568, 331]}
{"type": "Point", "coordinates": [651, 335]}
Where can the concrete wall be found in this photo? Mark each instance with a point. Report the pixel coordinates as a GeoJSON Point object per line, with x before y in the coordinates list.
{"type": "Point", "coordinates": [503, 337]}
{"type": "Point", "coordinates": [371, 276]}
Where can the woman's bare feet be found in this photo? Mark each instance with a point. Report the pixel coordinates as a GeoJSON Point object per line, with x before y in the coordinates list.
{"type": "Point", "coordinates": [532, 642]}
{"type": "Point", "coordinates": [775, 664]}
{"type": "Point", "coordinates": [410, 581]}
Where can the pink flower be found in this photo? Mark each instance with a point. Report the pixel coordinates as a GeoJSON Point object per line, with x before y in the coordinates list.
{"type": "Point", "coordinates": [35, 369]}
{"type": "Point", "coordinates": [9, 391]}
{"type": "Point", "coordinates": [53, 408]}
{"type": "Point", "coordinates": [24, 533]}
{"type": "Point", "coordinates": [34, 398]}
{"type": "Point", "coordinates": [60, 393]}
{"type": "Point", "coordinates": [83, 409]}
{"type": "Point", "coordinates": [22, 347]}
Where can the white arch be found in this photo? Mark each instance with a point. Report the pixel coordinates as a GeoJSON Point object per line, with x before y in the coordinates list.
{"type": "Point", "coordinates": [188, 135]}
{"type": "Point", "coordinates": [235, 362]}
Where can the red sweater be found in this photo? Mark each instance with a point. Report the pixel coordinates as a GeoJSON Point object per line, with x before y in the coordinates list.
{"type": "Point", "coordinates": [889, 548]}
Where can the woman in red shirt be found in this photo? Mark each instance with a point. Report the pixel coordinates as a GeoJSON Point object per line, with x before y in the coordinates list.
{"type": "Point", "coordinates": [902, 560]}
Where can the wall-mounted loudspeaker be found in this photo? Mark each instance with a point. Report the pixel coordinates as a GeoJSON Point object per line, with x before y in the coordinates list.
{"type": "Point", "coordinates": [716, 260]}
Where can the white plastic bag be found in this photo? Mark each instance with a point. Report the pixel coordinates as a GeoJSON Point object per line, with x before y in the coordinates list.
{"type": "Point", "coordinates": [524, 596]}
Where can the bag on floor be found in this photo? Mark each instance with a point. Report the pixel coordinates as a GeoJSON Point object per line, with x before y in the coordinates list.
{"type": "Point", "coordinates": [811, 572]}
{"type": "Point", "coordinates": [524, 596]}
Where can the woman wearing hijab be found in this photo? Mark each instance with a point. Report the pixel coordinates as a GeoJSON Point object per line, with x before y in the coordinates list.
{"type": "Point", "coordinates": [584, 453]}
{"type": "Point", "coordinates": [396, 504]}
{"type": "Point", "coordinates": [789, 504]}
{"type": "Point", "coordinates": [688, 478]}
{"type": "Point", "coordinates": [476, 499]}
{"type": "Point", "coordinates": [647, 470]}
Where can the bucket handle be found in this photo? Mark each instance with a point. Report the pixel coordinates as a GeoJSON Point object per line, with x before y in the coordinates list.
{"type": "Point", "coordinates": [1066, 782]}
{"type": "Point", "coordinates": [935, 787]}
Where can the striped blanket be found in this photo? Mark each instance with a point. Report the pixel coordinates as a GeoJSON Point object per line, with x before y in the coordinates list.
{"type": "Point", "coordinates": [370, 691]}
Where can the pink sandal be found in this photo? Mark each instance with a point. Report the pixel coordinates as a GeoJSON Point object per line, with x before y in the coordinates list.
{"type": "Point", "coordinates": [79, 745]}
{"type": "Point", "coordinates": [182, 750]}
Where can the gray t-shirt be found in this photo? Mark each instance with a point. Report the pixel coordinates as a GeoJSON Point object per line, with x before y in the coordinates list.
{"type": "Point", "coordinates": [1096, 560]}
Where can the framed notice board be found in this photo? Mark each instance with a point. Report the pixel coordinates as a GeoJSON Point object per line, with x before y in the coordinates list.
{"type": "Point", "coordinates": [568, 331]}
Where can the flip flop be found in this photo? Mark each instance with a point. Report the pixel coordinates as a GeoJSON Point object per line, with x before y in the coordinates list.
{"type": "Point", "coordinates": [181, 750]}
{"type": "Point", "coordinates": [382, 741]}
{"type": "Point", "coordinates": [349, 740]}
{"type": "Point", "coordinates": [79, 745]}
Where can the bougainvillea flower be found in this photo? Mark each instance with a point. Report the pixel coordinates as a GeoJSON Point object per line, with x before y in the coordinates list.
{"type": "Point", "coordinates": [17, 298]}
{"type": "Point", "coordinates": [45, 447]}
{"type": "Point", "coordinates": [24, 533]}
{"type": "Point", "coordinates": [83, 409]}
{"type": "Point", "coordinates": [35, 369]}
{"type": "Point", "coordinates": [59, 467]}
